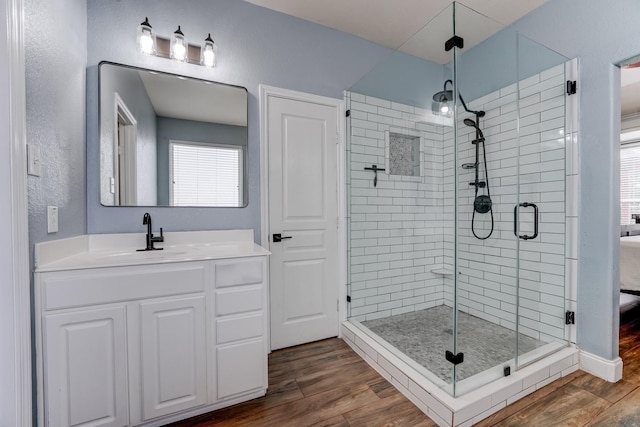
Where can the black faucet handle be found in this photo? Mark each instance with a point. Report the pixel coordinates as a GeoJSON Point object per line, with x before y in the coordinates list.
{"type": "Point", "coordinates": [158, 238]}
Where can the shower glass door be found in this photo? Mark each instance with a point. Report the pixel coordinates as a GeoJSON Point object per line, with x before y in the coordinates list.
{"type": "Point", "coordinates": [541, 219]}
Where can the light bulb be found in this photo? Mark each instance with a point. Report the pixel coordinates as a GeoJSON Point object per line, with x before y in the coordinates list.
{"type": "Point", "coordinates": [146, 42]}
{"type": "Point", "coordinates": [146, 38]}
{"type": "Point", "coordinates": [208, 58]}
{"type": "Point", "coordinates": [179, 52]}
{"type": "Point", "coordinates": [178, 48]}
{"type": "Point", "coordinates": [208, 53]}
{"type": "Point", "coordinates": [444, 109]}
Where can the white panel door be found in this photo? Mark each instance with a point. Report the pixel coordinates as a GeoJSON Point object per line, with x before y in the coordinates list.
{"type": "Point", "coordinates": [86, 368]}
{"type": "Point", "coordinates": [303, 209]}
{"type": "Point", "coordinates": [173, 355]}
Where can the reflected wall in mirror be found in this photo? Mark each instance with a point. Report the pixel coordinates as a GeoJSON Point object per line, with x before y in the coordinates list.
{"type": "Point", "coordinates": [169, 140]}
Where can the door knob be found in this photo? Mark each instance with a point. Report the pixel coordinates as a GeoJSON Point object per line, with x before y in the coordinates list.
{"type": "Point", "coordinates": [277, 237]}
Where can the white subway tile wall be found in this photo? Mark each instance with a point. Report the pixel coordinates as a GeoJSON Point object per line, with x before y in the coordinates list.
{"type": "Point", "coordinates": [402, 230]}
{"type": "Point", "coordinates": [396, 228]}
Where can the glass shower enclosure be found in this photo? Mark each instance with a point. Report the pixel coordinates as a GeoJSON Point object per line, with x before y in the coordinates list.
{"type": "Point", "coordinates": [456, 201]}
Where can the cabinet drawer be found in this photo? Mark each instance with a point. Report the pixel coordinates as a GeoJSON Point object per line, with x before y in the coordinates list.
{"type": "Point", "coordinates": [241, 368]}
{"type": "Point", "coordinates": [239, 328]}
{"type": "Point", "coordinates": [106, 285]}
{"type": "Point", "coordinates": [239, 272]}
{"type": "Point", "coordinates": [238, 300]}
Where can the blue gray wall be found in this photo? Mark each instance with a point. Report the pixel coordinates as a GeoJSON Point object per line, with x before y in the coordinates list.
{"type": "Point", "coordinates": [55, 53]}
{"type": "Point", "coordinates": [601, 34]}
{"type": "Point", "coordinates": [255, 46]}
{"type": "Point", "coordinates": [501, 60]}
{"type": "Point", "coordinates": [191, 131]}
{"type": "Point", "coordinates": [404, 79]}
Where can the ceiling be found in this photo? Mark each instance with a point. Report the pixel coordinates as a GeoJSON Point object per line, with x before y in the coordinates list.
{"type": "Point", "coordinates": [192, 99]}
{"type": "Point", "coordinates": [392, 23]}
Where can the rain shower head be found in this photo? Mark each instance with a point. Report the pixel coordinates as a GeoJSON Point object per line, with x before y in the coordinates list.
{"type": "Point", "coordinates": [442, 100]}
{"type": "Point", "coordinates": [444, 95]}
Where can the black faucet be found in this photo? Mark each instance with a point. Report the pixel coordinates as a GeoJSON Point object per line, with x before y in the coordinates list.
{"type": "Point", "coordinates": [146, 220]}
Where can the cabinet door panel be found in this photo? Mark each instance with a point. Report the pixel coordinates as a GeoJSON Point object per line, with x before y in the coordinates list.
{"type": "Point", "coordinates": [241, 368]}
{"type": "Point", "coordinates": [173, 355]}
{"type": "Point", "coordinates": [86, 368]}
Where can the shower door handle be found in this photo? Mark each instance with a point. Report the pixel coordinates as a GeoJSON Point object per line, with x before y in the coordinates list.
{"type": "Point", "coordinates": [535, 221]}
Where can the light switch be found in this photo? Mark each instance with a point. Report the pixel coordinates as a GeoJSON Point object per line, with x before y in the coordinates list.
{"type": "Point", "coordinates": [34, 166]}
{"type": "Point", "coordinates": [52, 219]}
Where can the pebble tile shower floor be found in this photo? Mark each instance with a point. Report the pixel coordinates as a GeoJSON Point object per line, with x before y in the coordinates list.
{"type": "Point", "coordinates": [425, 335]}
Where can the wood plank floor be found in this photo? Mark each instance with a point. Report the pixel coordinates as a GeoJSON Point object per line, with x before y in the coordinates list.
{"type": "Point", "coordinates": [326, 384]}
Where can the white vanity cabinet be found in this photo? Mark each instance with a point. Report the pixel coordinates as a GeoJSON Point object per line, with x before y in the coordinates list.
{"type": "Point", "coordinates": [149, 344]}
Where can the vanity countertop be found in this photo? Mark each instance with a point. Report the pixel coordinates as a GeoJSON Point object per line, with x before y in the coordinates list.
{"type": "Point", "coordinates": [116, 250]}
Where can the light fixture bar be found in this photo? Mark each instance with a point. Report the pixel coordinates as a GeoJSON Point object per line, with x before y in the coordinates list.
{"type": "Point", "coordinates": [176, 47]}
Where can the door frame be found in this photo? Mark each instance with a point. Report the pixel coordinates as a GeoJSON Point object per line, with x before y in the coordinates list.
{"type": "Point", "coordinates": [125, 148]}
{"type": "Point", "coordinates": [265, 93]}
{"type": "Point", "coordinates": [15, 284]}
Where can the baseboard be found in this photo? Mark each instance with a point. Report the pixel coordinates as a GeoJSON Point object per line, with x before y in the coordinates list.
{"type": "Point", "coordinates": [609, 370]}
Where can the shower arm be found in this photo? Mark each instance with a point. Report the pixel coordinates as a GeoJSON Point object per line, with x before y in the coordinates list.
{"type": "Point", "coordinates": [478, 113]}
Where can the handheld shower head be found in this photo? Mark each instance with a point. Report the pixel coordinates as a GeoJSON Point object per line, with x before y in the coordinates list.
{"type": "Point", "coordinates": [472, 123]}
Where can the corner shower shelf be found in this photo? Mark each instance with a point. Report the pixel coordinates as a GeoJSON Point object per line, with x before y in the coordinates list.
{"type": "Point", "coordinates": [443, 271]}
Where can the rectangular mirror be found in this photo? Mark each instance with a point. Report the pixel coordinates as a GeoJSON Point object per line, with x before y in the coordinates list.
{"type": "Point", "coordinates": [169, 140]}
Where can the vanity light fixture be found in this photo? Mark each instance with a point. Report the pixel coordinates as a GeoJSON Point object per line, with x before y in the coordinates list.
{"type": "Point", "coordinates": [178, 47]}
{"type": "Point", "coordinates": [146, 38]}
{"type": "Point", "coordinates": [208, 53]}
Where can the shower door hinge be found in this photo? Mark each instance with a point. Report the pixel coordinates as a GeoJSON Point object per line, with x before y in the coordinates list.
{"type": "Point", "coordinates": [348, 298]}
{"type": "Point", "coordinates": [455, 41]}
{"type": "Point", "coordinates": [348, 113]}
{"type": "Point", "coordinates": [572, 87]}
{"type": "Point", "coordinates": [456, 359]}
{"type": "Point", "coordinates": [570, 318]}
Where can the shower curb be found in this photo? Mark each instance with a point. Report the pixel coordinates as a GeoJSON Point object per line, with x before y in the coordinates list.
{"type": "Point", "coordinates": [473, 406]}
